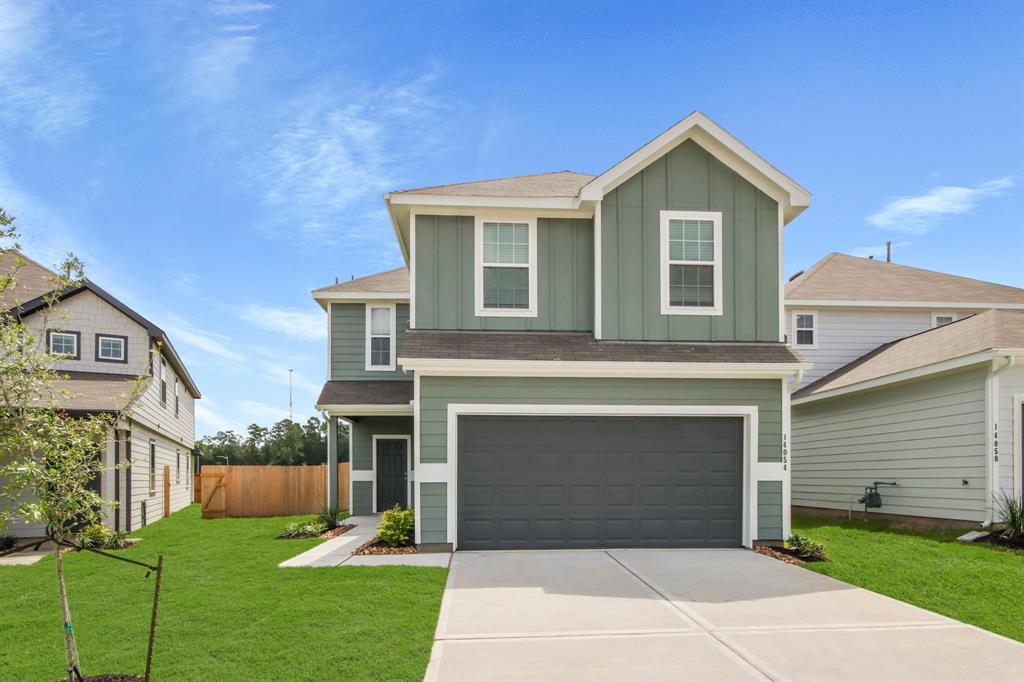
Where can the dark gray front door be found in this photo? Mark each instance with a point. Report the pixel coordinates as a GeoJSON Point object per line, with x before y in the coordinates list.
{"type": "Point", "coordinates": [392, 473]}
{"type": "Point", "coordinates": [575, 482]}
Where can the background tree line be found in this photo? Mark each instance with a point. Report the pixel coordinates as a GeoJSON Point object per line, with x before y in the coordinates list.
{"type": "Point", "coordinates": [284, 443]}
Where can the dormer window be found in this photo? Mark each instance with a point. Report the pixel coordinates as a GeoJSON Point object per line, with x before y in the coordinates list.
{"type": "Point", "coordinates": [691, 263]}
{"type": "Point", "coordinates": [380, 338]}
{"type": "Point", "coordinates": [64, 343]}
{"type": "Point", "coordinates": [506, 268]}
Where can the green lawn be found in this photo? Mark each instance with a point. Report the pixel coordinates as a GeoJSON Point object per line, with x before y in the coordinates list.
{"type": "Point", "coordinates": [226, 611]}
{"type": "Point", "coordinates": [978, 584]}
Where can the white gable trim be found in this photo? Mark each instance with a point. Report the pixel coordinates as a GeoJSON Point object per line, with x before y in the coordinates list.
{"type": "Point", "coordinates": [726, 148]}
{"type": "Point", "coordinates": [931, 305]}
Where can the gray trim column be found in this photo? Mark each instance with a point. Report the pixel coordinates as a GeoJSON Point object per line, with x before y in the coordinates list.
{"type": "Point", "coordinates": [332, 462]}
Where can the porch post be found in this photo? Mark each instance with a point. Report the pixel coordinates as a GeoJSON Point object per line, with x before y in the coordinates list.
{"type": "Point", "coordinates": [332, 462]}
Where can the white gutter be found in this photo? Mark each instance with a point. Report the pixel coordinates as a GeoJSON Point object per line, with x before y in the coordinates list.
{"type": "Point", "coordinates": [563, 368]}
{"type": "Point", "coordinates": [992, 454]}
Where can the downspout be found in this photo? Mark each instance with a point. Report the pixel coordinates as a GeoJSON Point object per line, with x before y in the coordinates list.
{"type": "Point", "coordinates": [991, 419]}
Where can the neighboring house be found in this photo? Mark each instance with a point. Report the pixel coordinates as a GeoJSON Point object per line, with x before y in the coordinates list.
{"type": "Point", "coordinates": [918, 379]}
{"type": "Point", "coordinates": [110, 346]}
{"type": "Point", "coordinates": [575, 360]}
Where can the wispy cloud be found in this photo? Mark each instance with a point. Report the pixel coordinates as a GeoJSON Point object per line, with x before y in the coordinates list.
{"type": "Point", "coordinates": [240, 7]}
{"type": "Point", "coordinates": [261, 411]}
{"type": "Point", "coordinates": [877, 251]}
{"type": "Point", "coordinates": [213, 68]}
{"type": "Point", "coordinates": [337, 149]}
{"type": "Point", "coordinates": [206, 341]}
{"type": "Point", "coordinates": [292, 322]}
{"type": "Point", "coordinates": [40, 89]}
{"type": "Point", "coordinates": [919, 214]}
{"type": "Point", "coordinates": [207, 414]}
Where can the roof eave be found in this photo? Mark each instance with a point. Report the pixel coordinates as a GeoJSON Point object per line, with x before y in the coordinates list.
{"type": "Point", "coordinates": [563, 368]}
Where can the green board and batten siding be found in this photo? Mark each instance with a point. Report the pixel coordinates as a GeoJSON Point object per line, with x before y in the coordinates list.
{"type": "Point", "coordinates": [769, 510]}
{"type": "Point", "coordinates": [366, 428]}
{"type": "Point", "coordinates": [689, 179]}
{"type": "Point", "coordinates": [445, 276]}
{"type": "Point", "coordinates": [434, 512]}
{"type": "Point", "coordinates": [348, 342]}
{"type": "Point", "coordinates": [362, 497]}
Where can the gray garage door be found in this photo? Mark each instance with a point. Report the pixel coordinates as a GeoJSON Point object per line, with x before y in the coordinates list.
{"type": "Point", "coordinates": [575, 482]}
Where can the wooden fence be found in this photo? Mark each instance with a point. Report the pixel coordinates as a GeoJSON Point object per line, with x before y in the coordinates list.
{"type": "Point", "coordinates": [267, 490]}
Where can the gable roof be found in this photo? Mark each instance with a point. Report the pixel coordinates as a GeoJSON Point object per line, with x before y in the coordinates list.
{"type": "Point", "coordinates": [839, 277]}
{"type": "Point", "coordinates": [33, 279]}
{"type": "Point", "coordinates": [792, 197]}
{"type": "Point", "coordinates": [34, 305]}
{"type": "Point", "coordinates": [555, 184]}
{"type": "Point", "coordinates": [995, 330]}
{"type": "Point", "coordinates": [391, 285]}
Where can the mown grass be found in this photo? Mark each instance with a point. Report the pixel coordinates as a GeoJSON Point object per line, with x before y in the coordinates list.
{"type": "Point", "coordinates": [976, 583]}
{"type": "Point", "coordinates": [227, 612]}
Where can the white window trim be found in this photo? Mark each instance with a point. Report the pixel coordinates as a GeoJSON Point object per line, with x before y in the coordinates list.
{"type": "Point", "coordinates": [100, 338]}
{"type": "Point", "coordinates": [936, 314]}
{"type": "Point", "coordinates": [478, 278]}
{"type": "Point", "coordinates": [716, 218]}
{"type": "Point", "coordinates": [74, 339]}
{"type": "Point", "coordinates": [796, 343]}
{"type": "Point", "coordinates": [392, 310]}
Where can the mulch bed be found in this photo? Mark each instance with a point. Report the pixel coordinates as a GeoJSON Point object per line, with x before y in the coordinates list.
{"type": "Point", "coordinates": [375, 546]}
{"type": "Point", "coordinates": [335, 532]}
{"type": "Point", "coordinates": [109, 678]}
{"type": "Point", "coordinates": [780, 553]}
{"type": "Point", "coordinates": [1015, 542]}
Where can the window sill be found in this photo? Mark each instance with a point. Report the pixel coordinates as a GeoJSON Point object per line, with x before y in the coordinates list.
{"type": "Point", "coordinates": [505, 312]}
{"type": "Point", "coordinates": [380, 368]}
{"type": "Point", "coordinates": [708, 312]}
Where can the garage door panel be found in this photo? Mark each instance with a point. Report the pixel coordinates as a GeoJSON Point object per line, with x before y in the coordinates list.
{"type": "Point", "coordinates": [549, 482]}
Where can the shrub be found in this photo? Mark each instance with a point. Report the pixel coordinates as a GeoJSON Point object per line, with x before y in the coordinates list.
{"type": "Point", "coordinates": [6, 542]}
{"type": "Point", "coordinates": [1013, 516]}
{"type": "Point", "coordinates": [304, 529]}
{"type": "Point", "coordinates": [807, 549]}
{"type": "Point", "coordinates": [117, 540]}
{"type": "Point", "coordinates": [95, 536]}
{"type": "Point", "coordinates": [396, 526]}
{"type": "Point", "coordinates": [331, 517]}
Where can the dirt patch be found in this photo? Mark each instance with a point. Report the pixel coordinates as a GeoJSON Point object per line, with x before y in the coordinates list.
{"type": "Point", "coordinates": [375, 546]}
{"type": "Point", "coordinates": [780, 553]}
{"type": "Point", "coordinates": [335, 532]}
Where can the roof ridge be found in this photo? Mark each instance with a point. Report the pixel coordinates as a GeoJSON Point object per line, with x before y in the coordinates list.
{"type": "Point", "coordinates": [800, 279]}
{"type": "Point", "coordinates": [506, 177]}
{"type": "Point", "coordinates": [932, 272]}
{"type": "Point", "coordinates": [362, 277]}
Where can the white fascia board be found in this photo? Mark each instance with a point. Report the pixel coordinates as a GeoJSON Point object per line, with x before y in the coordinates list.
{"type": "Point", "coordinates": [362, 297]}
{"type": "Point", "coordinates": [365, 410]}
{"type": "Point", "coordinates": [930, 305]}
{"type": "Point", "coordinates": [397, 228]}
{"type": "Point", "coordinates": [915, 373]}
{"type": "Point", "coordinates": [545, 368]}
{"type": "Point", "coordinates": [721, 144]}
{"type": "Point", "coordinates": [558, 203]}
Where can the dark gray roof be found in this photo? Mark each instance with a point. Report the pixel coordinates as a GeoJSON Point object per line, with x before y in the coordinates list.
{"type": "Point", "coordinates": [365, 393]}
{"type": "Point", "coordinates": [580, 347]}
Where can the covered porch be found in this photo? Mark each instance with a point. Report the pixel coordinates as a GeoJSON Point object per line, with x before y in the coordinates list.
{"type": "Point", "coordinates": [379, 416]}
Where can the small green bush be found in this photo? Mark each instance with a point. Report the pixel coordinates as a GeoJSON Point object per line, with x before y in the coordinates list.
{"type": "Point", "coordinates": [98, 536]}
{"type": "Point", "coordinates": [1013, 516]}
{"type": "Point", "coordinates": [807, 549]}
{"type": "Point", "coordinates": [332, 517]}
{"type": "Point", "coordinates": [396, 526]}
{"type": "Point", "coordinates": [117, 540]}
{"type": "Point", "coordinates": [304, 529]}
{"type": "Point", "coordinates": [7, 542]}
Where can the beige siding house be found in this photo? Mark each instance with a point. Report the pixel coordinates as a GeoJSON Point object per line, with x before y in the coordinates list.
{"type": "Point", "coordinates": [917, 379]}
{"type": "Point", "coordinates": [110, 346]}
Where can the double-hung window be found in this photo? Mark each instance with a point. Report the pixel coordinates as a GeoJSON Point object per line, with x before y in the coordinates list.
{"type": "Point", "coordinates": [177, 400]}
{"type": "Point", "coordinates": [506, 268]}
{"type": "Point", "coordinates": [111, 348]}
{"type": "Point", "coordinates": [940, 319]}
{"type": "Point", "coordinates": [64, 343]}
{"type": "Point", "coordinates": [691, 263]}
{"type": "Point", "coordinates": [805, 329]}
{"type": "Point", "coordinates": [380, 337]}
{"type": "Point", "coordinates": [163, 382]}
{"type": "Point", "coordinates": [152, 466]}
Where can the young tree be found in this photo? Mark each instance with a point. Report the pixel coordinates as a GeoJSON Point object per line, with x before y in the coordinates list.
{"type": "Point", "coordinates": [48, 458]}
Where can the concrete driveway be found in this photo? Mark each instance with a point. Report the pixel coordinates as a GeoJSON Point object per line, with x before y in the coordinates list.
{"type": "Point", "coordinates": [691, 615]}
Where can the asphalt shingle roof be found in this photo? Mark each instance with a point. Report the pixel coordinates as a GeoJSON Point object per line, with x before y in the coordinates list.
{"type": "Point", "coordinates": [540, 185]}
{"type": "Point", "coordinates": [396, 281]}
{"type": "Point", "coordinates": [365, 393]}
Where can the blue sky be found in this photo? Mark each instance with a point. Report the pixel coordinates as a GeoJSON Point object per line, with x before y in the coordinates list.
{"type": "Point", "coordinates": [214, 162]}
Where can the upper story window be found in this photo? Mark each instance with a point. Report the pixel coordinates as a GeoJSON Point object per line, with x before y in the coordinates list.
{"type": "Point", "coordinates": [163, 382]}
{"type": "Point", "coordinates": [940, 319]}
{"type": "Point", "coordinates": [111, 348]}
{"type": "Point", "coordinates": [805, 329]}
{"type": "Point", "coordinates": [380, 337]}
{"type": "Point", "coordinates": [64, 343]}
{"type": "Point", "coordinates": [506, 268]}
{"type": "Point", "coordinates": [177, 398]}
{"type": "Point", "coordinates": [691, 263]}
{"type": "Point", "coordinates": [152, 466]}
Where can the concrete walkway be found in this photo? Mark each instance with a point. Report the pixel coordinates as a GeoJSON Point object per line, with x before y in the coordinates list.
{"type": "Point", "coordinates": [27, 557]}
{"type": "Point", "coordinates": [594, 615]}
{"type": "Point", "coordinates": [338, 551]}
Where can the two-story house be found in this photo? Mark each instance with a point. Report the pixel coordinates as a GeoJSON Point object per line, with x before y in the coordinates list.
{"type": "Point", "coordinates": [577, 361]}
{"type": "Point", "coordinates": [104, 347]}
{"type": "Point", "coordinates": [917, 380]}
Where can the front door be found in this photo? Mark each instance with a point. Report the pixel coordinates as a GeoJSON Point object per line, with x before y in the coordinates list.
{"type": "Point", "coordinates": [392, 473]}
